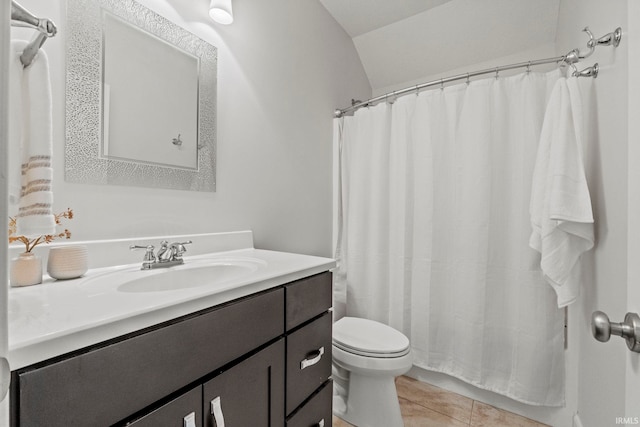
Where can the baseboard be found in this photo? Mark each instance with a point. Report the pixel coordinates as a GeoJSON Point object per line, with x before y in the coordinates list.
{"type": "Point", "coordinates": [576, 421]}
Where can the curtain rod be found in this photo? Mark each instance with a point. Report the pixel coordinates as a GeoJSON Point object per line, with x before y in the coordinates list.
{"type": "Point", "coordinates": [570, 58]}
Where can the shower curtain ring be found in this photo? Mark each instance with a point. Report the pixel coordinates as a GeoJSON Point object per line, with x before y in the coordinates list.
{"type": "Point", "coordinates": [468, 81]}
{"type": "Point", "coordinates": [496, 73]}
{"type": "Point", "coordinates": [528, 67]}
{"type": "Point", "coordinates": [575, 69]}
{"type": "Point", "coordinates": [441, 84]}
{"type": "Point", "coordinates": [417, 90]}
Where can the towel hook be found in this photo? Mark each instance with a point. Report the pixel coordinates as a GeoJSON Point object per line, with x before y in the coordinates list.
{"type": "Point", "coordinates": [587, 72]}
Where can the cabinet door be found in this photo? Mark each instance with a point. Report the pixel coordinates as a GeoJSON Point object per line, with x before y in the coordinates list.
{"type": "Point", "coordinates": [308, 360]}
{"type": "Point", "coordinates": [317, 411]}
{"type": "Point", "coordinates": [184, 411]}
{"type": "Point", "coordinates": [250, 393]}
{"type": "Point", "coordinates": [307, 298]}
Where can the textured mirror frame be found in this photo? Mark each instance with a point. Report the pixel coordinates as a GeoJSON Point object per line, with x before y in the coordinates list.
{"type": "Point", "coordinates": [83, 163]}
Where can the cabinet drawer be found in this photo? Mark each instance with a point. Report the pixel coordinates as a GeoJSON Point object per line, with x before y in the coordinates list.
{"type": "Point", "coordinates": [184, 411]}
{"type": "Point", "coordinates": [250, 393]}
{"type": "Point", "coordinates": [108, 384]}
{"type": "Point", "coordinates": [317, 411]}
{"type": "Point", "coordinates": [307, 298]}
{"type": "Point", "coordinates": [308, 360]}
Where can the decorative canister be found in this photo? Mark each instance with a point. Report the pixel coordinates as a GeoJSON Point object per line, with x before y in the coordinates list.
{"type": "Point", "coordinates": [26, 270]}
{"type": "Point", "coordinates": [67, 262]}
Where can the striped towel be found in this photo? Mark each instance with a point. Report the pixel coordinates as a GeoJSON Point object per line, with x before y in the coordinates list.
{"type": "Point", "coordinates": [30, 147]}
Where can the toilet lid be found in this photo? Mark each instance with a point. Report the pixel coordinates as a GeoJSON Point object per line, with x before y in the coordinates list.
{"type": "Point", "coordinates": [369, 338]}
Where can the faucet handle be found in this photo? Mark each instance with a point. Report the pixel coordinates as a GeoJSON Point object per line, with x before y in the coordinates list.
{"type": "Point", "coordinates": [179, 248]}
{"type": "Point", "coordinates": [148, 256]}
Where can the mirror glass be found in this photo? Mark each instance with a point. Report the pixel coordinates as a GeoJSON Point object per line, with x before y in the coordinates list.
{"type": "Point", "coordinates": [141, 99]}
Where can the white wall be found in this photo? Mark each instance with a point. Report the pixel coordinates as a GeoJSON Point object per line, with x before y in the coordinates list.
{"type": "Point", "coordinates": [283, 67]}
{"type": "Point", "coordinates": [547, 50]}
{"type": "Point", "coordinates": [455, 34]}
{"type": "Point", "coordinates": [601, 367]}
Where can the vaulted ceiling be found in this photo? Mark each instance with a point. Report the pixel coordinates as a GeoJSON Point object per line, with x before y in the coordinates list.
{"type": "Point", "coordinates": [401, 41]}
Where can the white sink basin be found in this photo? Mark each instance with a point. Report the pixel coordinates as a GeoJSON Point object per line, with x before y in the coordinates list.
{"type": "Point", "coordinates": [193, 273]}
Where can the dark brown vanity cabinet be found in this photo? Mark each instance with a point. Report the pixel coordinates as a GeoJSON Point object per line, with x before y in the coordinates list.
{"type": "Point", "coordinates": [262, 360]}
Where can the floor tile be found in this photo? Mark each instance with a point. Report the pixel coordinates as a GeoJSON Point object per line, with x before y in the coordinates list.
{"type": "Point", "coordinates": [435, 398]}
{"type": "Point", "coordinates": [415, 415]}
{"type": "Point", "coordinates": [337, 422]}
{"type": "Point", "coordinates": [484, 415]}
{"type": "Point", "coordinates": [425, 405]}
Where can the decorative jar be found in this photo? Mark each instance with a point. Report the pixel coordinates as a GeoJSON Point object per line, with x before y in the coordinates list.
{"type": "Point", "coordinates": [26, 270]}
{"type": "Point", "coordinates": [67, 262]}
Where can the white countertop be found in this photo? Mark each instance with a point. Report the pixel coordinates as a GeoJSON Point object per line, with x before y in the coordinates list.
{"type": "Point", "coordinates": [57, 317]}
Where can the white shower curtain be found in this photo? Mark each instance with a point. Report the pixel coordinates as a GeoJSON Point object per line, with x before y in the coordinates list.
{"type": "Point", "coordinates": [434, 232]}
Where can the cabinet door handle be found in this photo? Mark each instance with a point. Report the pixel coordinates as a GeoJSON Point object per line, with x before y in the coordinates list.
{"type": "Point", "coordinates": [189, 420]}
{"type": "Point", "coordinates": [320, 424]}
{"type": "Point", "coordinates": [216, 411]}
{"type": "Point", "coordinates": [313, 359]}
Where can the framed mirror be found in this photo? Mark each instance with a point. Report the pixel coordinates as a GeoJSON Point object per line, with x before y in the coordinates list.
{"type": "Point", "coordinates": [140, 99]}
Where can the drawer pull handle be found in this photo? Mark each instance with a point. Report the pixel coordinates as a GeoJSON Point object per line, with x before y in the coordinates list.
{"type": "Point", "coordinates": [320, 424]}
{"type": "Point", "coordinates": [315, 358]}
{"type": "Point", "coordinates": [216, 411]}
{"type": "Point", "coordinates": [190, 420]}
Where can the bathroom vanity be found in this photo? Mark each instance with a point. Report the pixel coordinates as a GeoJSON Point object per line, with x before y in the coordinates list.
{"type": "Point", "coordinates": [253, 351]}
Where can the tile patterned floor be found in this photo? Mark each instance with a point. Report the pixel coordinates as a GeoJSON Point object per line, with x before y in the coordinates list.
{"type": "Point", "coordinates": [424, 405]}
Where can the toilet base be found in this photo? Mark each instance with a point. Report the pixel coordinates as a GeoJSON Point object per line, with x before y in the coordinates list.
{"type": "Point", "coordinates": [372, 402]}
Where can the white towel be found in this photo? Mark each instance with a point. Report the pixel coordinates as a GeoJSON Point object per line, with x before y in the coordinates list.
{"type": "Point", "coordinates": [560, 208]}
{"type": "Point", "coordinates": [30, 144]}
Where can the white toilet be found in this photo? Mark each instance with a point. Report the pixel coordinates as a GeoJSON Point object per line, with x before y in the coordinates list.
{"type": "Point", "coordinates": [367, 356]}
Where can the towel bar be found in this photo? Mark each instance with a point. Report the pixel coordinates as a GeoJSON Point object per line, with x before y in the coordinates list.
{"type": "Point", "coordinates": [20, 17]}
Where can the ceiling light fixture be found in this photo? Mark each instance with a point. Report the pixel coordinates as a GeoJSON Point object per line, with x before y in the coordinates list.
{"type": "Point", "coordinates": [221, 11]}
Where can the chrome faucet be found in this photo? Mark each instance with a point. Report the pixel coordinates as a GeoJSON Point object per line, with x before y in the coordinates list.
{"type": "Point", "coordinates": [168, 254]}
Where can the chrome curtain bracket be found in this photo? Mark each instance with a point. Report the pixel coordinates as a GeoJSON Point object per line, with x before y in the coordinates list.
{"type": "Point", "coordinates": [611, 39]}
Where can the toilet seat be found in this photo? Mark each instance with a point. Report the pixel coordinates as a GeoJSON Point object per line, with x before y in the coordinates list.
{"type": "Point", "coordinates": [369, 338]}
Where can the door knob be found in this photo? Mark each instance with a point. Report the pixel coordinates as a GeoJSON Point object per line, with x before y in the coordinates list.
{"type": "Point", "coordinates": [602, 329]}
